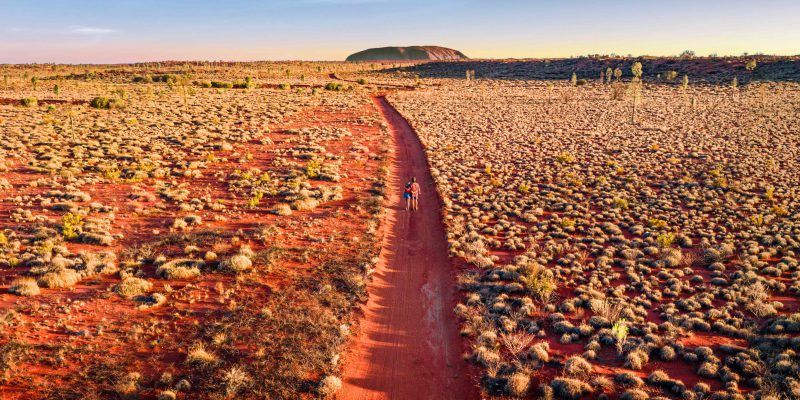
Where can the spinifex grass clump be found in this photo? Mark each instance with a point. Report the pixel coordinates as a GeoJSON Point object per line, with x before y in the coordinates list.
{"type": "Point", "coordinates": [334, 86]}
{"type": "Point", "coordinates": [28, 102]}
{"type": "Point", "coordinates": [105, 103]}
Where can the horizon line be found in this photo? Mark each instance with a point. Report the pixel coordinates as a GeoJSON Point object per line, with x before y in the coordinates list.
{"type": "Point", "coordinates": [590, 56]}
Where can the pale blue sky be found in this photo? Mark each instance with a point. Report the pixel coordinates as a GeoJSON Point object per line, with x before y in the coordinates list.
{"type": "Point", "coordinates": [111, 31]}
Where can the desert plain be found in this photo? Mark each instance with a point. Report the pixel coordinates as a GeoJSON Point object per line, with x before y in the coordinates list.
{"type": "Point", "coordinates": [595, 227]}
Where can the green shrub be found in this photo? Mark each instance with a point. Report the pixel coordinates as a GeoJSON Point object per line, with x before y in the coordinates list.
{"type": "Point", "coordinates": [166, 78]}
{"type": "Point", "coordinates": [29, 102]}
{"type": "Point", "coordinates": [565, 158]}
{"type": "Point", "coordinates": [284, 86]}
{"type": "Point", "coordinates": [104, 103]}
{"type": "Point", "coordinates": [221, 85]}
{"type": "Point", "coordinates": [658, 223]}
{"type": "Point", "coordinates": [313, 168]}
{"type": "Point", "coordinates": [255, 199]}
{"type": "Point", "coordinates": [143, 79]}
{"type": "Point", "coordinates": [540, 283]}
{"type": "Point", "coordinates": [70, 224]}
{"type": "Point", "coordinates": [247, 84]}
{"type": "Point", "coordinates": [333, 86]}
{"type": "Point", "coordinates": [362, 81]}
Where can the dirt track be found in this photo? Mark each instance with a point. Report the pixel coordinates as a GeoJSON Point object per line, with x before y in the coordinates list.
{"type": "Point", "coordinates": [408, 345]}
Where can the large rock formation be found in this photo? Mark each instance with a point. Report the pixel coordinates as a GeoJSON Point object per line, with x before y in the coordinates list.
{"type": "Point", "coordinates": [407, 53]}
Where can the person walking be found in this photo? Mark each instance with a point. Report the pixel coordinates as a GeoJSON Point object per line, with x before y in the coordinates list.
{"type": "Point", "coordinates": [414, 194]}
{"type": "Point", "coordinates": [407, 195]}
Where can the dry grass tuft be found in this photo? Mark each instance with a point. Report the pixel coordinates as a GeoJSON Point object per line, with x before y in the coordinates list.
{"type": "Point", "coordinates": [63, 278]}
{"type": "Point", "coordinates": [24, 287]}
{"type": "Point", "coordinates": [132, 286]}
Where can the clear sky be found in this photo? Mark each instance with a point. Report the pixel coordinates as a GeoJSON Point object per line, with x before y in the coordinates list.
{"type": "Point", "coordinates": [115, 31]}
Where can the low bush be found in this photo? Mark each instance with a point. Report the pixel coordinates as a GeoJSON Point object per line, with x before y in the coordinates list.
{"type": "Point", "coordinates": [143, 79]}
{"type": "Point", "coordinates": [70, 225]}
{"type": "Point", "coordinates": [570, 389]}
{"type": "Point", "coordinates": [105, 103]}
{"type": "Point", "coordinates": [333, 86]}
{"type": "Point", "coordinates": [636, 359]}
{"type": "Point", "coordinates": [517, 384]}
{"type": "Point", "coordinates": [282, 209]}
{"type": "Point", "coordinates": [166, 78]}
{"type": "Point", "coordinates": [182, 268]}
{"type": "Point", "coordinates": [63, 278]}
{"type": "Point", "coordinates": [198, 356]}
{"type": "Point", "coordinates": [132, 286]}
{"type": "Point", "coordinates": [24, 287]}
{"type": "Point", "coordinates": [28, 102]}
{"type": "Point", "coordinates": [577, 366]}
{"type": "Point", "coordinates": [237, 264]}
{"type": "Point", "coordinates": [540, 283]}
{"type": "Point", "coordinates": [329, 385]}
{"type": "Point", "coordinates": [305, 204]}
{"type": "Point", "coordinates": [221, 85]}
{"type": "Point", "coordinates": [247, 84]}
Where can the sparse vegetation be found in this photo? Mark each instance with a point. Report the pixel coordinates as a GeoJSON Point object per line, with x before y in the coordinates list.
{"type": "Point", "coordinates": [636, 247]}
{"type": "Point", "coordinates": [228, 235]}
{"type": "Point", "coordinates": [124, 228]}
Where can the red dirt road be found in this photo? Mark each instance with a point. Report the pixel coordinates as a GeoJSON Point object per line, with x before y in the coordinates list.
{"type": "Point", "coordinates": [408, 345]}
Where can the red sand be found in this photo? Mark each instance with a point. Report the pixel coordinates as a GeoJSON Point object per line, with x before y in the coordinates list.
{"type": "Point", "coordinates": [408, 345]}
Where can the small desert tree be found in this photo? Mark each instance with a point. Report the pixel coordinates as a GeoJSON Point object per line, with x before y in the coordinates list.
{"type": "Point", "coordinates": [34, 82]}
{"type": "Point", "coordinates": [636, 70]}
{"type": "Point", "coordinates": [184, 80]}
{"type": "Point", "coordinates": [751, 65]}
{"type": "Point", "coordinates": [617, 73]}
{"type": "Point", "coordinates": [636, 87]}
{"type": "Point", "coordinates": [470, 75]}
{"type": "Point", "coordinates": [620, 332]}
{"type": "Point", "coordinates": [685, 83]}
{"type": "Point", "coordinates": [56, 89]}
{"type": "Point", "coordinates": [574, 79]}
{"type": "Point", "coordinates": [609, 74]}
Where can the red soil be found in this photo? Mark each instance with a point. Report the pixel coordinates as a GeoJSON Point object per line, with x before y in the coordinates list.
{"type": "Point", "coordinates": [408, 344]}
{"type": "Point", "coordinates": [72, 318]}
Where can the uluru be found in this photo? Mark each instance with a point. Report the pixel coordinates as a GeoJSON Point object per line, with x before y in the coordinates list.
{"type": "Point", "coordinates": [407, 53]}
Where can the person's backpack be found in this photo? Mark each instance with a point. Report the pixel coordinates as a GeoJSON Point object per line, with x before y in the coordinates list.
{"type": "Point", "coordinates": [408, 188]}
